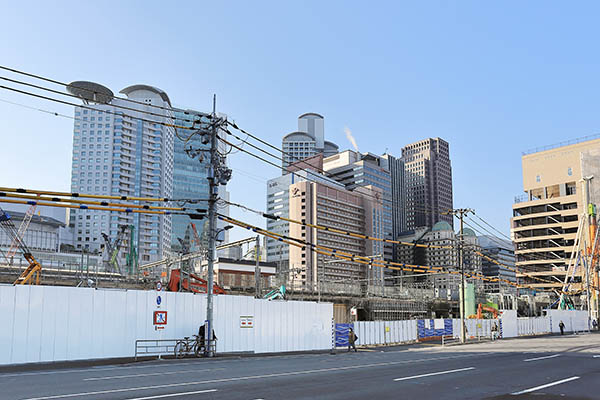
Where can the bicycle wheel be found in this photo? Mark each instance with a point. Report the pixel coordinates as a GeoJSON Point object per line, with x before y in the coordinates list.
{"type": "Point", "coordinates": [180, 349]}
{"type": "Point", "coordinates": [198, 350]}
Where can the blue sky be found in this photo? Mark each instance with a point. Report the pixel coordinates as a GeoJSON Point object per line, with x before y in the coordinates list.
{"type": "Point", "coordinates": [491, 78]}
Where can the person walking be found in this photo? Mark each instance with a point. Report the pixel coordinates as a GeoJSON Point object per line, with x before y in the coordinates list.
{"type": "Point", "coordinates": [562, 328]}
{"type": "Point", "coordinates": [352, 338]}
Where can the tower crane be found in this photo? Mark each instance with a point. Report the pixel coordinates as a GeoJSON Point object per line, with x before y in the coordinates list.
{"type": "Point", "coordinates": [33, 271]}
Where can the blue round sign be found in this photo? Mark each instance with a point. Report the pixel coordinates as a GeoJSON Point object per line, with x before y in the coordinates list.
{"type": "Point", "coordinates": [158, 300]}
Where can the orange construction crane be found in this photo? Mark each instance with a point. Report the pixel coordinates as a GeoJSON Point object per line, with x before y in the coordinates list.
{"type": "Point", "coordinates": [191, 283]}
{"type": "Point", "coordinates": [33, 271]}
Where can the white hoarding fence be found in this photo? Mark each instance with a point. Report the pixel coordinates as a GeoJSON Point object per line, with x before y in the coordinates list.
{"type": "Point", "coordinates": [385, 332]}
{"type": "Point", "coordinates": [533, 326]}
{"type": "Point", "coordinates": [47, 323]}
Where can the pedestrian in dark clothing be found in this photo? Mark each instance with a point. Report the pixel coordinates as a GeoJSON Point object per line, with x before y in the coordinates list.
{"type": "Point", "coordinates": [202, 334]}
{"type": "Point", "coordinates": [352, 338]}
{"type": "Point", "coordinates": [562, 328]}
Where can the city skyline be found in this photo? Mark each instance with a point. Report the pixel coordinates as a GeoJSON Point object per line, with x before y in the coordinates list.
{"type": "Point", "coordinates": [409, 99]}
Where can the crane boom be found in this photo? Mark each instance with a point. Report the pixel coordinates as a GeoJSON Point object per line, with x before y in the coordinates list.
{"type": "Point", "coordinates": [22, 229]}
{"type": "Point", "coordinates": [33, 271]}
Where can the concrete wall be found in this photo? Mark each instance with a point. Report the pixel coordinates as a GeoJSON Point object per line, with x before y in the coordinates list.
{"type": "Point", "coordinates": [47, 323]}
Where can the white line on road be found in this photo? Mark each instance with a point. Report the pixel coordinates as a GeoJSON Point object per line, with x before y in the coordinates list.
{"type": "Point", "coordinates": [252, 377]}
{"type": "Point", "coordinates": [152, 374]}
{"type": "Point", "coordinates": [162, 396]}
{"type": "Point", "coordinates": [433, 373]}
{"type": "Point", "coordinates": [597, 355]}
{"type": "Point", "coordinates": [541, 358]}
{"type": "Point", "coordinates": [545, 386]}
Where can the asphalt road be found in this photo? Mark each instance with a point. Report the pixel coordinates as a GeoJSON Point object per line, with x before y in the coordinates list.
{"type": "Point", "coordinates": [542, 368]}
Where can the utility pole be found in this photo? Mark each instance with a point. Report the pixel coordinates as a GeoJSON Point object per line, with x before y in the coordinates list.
{"type": "Point", "coordinates": [460, 213]}
{"type": "Point", "coordinates": [257, 269]}
{"type": "Point", "coordinates": [217, 175]}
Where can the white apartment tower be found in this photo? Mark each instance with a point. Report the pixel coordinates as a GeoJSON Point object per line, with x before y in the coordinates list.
{"type": "Point", "coordinates": [120, 148]}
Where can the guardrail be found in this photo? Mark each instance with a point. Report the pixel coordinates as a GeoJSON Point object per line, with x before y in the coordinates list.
{"type": "Point", "coordinates": [155, 347]}
{"type": "Point", "coordinates": [161, 347]}
{"type": "Point", "coordinates": [449, 339]}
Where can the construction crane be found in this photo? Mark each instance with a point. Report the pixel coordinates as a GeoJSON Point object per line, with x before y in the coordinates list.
{"type": "Point", "coordinates": [276, 293]}
{"type": "Point", "coordinates": [33, 271]}
{"type": "Point", "coordinates": [22, 229]}
{"type": "Point", "coordinates": [113, 247]}
{"type": "Point", "coordinates": [181, 281]}
{"type": "Point", "coordinates": [196, 236]}
{"type": "Point", "coordinates": [131, 258]}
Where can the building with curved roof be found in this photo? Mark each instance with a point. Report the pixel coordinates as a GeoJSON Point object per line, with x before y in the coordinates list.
{"type": "Point", "coordinates": [129, 91]}
{"type": "Point", "coordinates": [307, 141]}
{"type": "Point", "coordinates": [122, 152]}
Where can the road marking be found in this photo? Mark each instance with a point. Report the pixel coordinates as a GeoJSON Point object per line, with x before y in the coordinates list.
{"type": "Point", "coordinates": [251, 377]}
{"type": "Point", "coordinates": [596, 356]}
{"type": "Point", "coordinates": [545, 386]}
{"type": "Point", "coordinates": [433, 373]}
{"type": "Point", "coordinates": [541, 358]}
{"type": "Point", "coordinates": [162, 396]}
{"type": "Point", "coordinates": [152, 374]}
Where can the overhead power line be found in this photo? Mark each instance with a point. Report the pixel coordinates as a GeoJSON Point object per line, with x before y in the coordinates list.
{"type": "Point", "coordinates": [340, 254]}
{"type": "Point", "coordinates": [16, 71]}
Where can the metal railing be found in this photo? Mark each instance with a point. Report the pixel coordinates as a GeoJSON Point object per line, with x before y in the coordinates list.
{"type": "Point", "coordinates": [155, 347]}
{"type": "Point", "coordinates": [561, 144]}
{"type": "Point", "coordinates": [161, 347]}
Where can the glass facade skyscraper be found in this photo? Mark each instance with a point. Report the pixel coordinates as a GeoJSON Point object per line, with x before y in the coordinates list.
{"type": "Point", "coordinates": [190, 171]}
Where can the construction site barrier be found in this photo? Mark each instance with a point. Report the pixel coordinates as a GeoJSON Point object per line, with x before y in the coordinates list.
{"type": "Point", "coordinates": [51, 323]}
{"type": "Point", "coordinates": [385, 332]}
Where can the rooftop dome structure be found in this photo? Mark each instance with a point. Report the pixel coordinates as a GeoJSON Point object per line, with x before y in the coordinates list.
{"type": "Point", "coordinates": [468, 232]}
{"type": "Point", "coordinates": [441, 226]}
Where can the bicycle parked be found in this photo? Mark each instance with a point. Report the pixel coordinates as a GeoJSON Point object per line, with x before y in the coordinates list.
{"type": "Point", "coordinates": [186, 346]}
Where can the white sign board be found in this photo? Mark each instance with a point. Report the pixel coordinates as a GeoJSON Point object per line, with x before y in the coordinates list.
{"type": "Point", "coordinates": [246, 321]}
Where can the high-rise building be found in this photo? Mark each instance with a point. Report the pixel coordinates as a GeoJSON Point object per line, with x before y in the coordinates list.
{"type": "Point", "coordinates": [190, 180]}
{"type": "Point", "coordinates": [307, 141]}
{"type": "Point", "coordinates": [546, 219]}
{"type": "Point", "coordinates": [355, 170]}
{"type": "Point", "coordinates": [278, 197]}
{"type": "Point", "coordinates": [428, 180]}
{"type": "Point", "coordinates": [502, 251]}
{"type": "Point", "coordinates": [123, 152]}
{"type": "Point", "coordinates": [355, 211]}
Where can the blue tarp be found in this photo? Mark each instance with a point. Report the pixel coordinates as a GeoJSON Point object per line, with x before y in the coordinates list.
{"type": "Point", "coordinates": [423, 332]}
{"type": "Point", "coordinates": [341, 334]}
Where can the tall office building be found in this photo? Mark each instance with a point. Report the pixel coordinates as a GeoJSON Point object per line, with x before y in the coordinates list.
{"type": "Point", "coordinates": [428, 177]}
{"type": "Point", "coordinates": [191, 161]}
{"type": "Point", "coordinates": [333, 207]}
{"type": "Point", "coordinates": [190, 180]}
{"type": "Point", "coordinates": [278, 200]}
{"type": "Point", "coordinates": [123, 153]}
{"type": "Point", "coordinates": [546, 219]}
{"type": "Point", "coordinates": [502, 251]}
{"type": "Point", "coordinates": [307, 141]}
{"type": "Point", "coordinates": [353, 170]}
